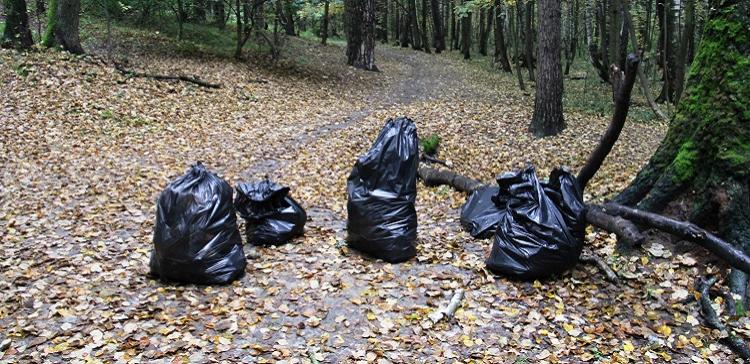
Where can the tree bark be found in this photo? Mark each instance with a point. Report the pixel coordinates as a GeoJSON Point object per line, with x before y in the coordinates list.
{"type": "Point", "coordinates": [501, 52]}
{"type": "Point", "coordinates": [324, 26]}
{"type": "Point", "coordinates": [516, 44]}
{"type": "Point", "coordinates": [17, 33]}
{"type": "Point", "coordinates": [686, 45]}
{"type": "Point", "coordinates": [423, 28]}
{"type": "Point", "coordinates": [573, 35]}
{"type": "Point", "coordinates": [466, 35]}
{"type": "Point", "coordinates": [667, 56]}
{"type": "Point", "coordinates": [548, 114]}
{"type": "Point", "coordinates": [437, 25]}
{"type": "Point", "coordinates": [622, 84]}
{"type": "Point", "coordinates": [529, 38]}
{"type": "Point", "coordinates": [62, 26]}
{"type": "Point", "coordinates": [359, 22]}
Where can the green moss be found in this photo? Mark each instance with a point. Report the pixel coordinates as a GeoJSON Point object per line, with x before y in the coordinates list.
{"type": "Point", "coordinates": [430, 144]}
{"type": "Point", "coordinates": [48, 39]}
{"type": "Point", "coordinates": [738, 156]}
{"type": "Point", "coordinates": [683, 165]}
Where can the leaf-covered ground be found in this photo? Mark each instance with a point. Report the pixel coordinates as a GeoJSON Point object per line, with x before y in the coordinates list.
{"type": "Point", "coordinates": [84, 152]}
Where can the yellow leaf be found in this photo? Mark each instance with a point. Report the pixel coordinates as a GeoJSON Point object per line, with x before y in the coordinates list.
{"type": "Point", "coordinates": [371, 316]}
{"type": "Point", "coordinates": [664, 330]}
{"type": "Point", "coordinates": [628, 346]}
{"type": "Point", "coordinates": [696, 342]}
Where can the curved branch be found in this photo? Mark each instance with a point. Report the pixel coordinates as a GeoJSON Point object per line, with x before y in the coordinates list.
{"type": "Point", "coordinates": [686, 230]}
{"type": "Point", "coordinates": [736, 344]}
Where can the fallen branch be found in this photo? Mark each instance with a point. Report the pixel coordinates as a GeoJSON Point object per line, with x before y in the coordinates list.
{"type": "Point", "coordinates": [437, 177]}
{"type": "Point", "coordinates": [626, 231]}
{"type": "Point", "coordinates": [430, 159]}
{"type": "Point", "coordinates": [448, 312]}
{"type": "Point", "coordinates": [685, 230]}
{"type": "Point", "coordinates": [591, 258]}
{"type": "Point", "coordinates": [622, 86]}
{"type": "Point", "coordinates": [736, 344]}
{"type": "Point", "coordinates": [194, 80]}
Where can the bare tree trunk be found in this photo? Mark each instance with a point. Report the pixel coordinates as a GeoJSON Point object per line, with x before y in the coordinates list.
{"type": "Point", "coordinates": [466, 35]}
{"type": "Point", "coordinates": [324, 29]}
{"type": "Point", "coordinates": [667, 55]}
{"type": "Point", "coordinates": [548, 114]}
{"type": "Point", "coordinates": [360, 33]}
{"type": "Point", "coordinates": [423, 28]}
{"type": "Point", "coordinates": [529, 38]}
{"type": "Point", "coordinates": [501, 53]}
{"type": "Point", "coordinates": [573, 35]}
{"type": "Point", "coordinates": [686, 45]}
{"type": "Point", "coordinates": [516, 44]}
{"type": "Point", "coordinates": [438, 29]}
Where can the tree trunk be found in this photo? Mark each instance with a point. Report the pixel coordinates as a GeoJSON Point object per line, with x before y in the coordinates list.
{"type": "Point", "coordinates": [405, 29]}
{"type": "Point", "coordinates": [286, 14]}
{"type": "Point", "coordinates": [199, 10]}
{"type": "Point", "coordinates": [17, 33]}
{"type": "Point", "coordinates": [437, 25]}
{"type": "Point", "coordinates": [482, 33]}
{"type": "Point", "coordinates": [703, 163]}
{"type": "Point", "coordinates": [573, 35]}
{"type": "Point", "coordinates": [501, 53]}
{"type": "Point", "coordinates": [423, 28]}
{"type": "Point", "coordinates": [466, 35]}
{"type": "Point", "coordinates": [359, 22]}
{"type": "Point", "coordinates": [220, 16]}
{"type": "Point", "coordinates": [516, 44]}
{"type": "Point", "coordinates": [454, 25]}
{"type": "Point", "coordinates": [548, 116]}
{"type": "Point", "coordinates": [667, 56]}
{"type": "Point", "coordinates": [181, 15]}
{"type": "Point", "coordinates": [62, 25]}
{"type": "Point", "coordinates": [595, 58]}
{"type": "Point", "coordinates": [529, 38]}
{"type": "Point", "coordinates": [324, 27]}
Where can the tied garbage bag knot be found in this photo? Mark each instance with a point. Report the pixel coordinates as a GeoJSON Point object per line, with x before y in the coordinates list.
{"type": "Point", "coordinates": [272, 217]}
{"type": "Point", "coordinates": [382, 188]}
{"type": "Point", "coordinates": [196, 239]}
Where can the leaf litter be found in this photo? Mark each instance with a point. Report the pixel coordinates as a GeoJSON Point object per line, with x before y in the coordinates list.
{"type": "Point", "coordinates": [85, 152]}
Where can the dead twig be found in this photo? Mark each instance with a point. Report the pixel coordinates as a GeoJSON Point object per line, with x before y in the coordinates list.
{"type": "Point", "coordinates": [184, 78]}
{"type": "Point", "coordinates": [591, 258]}
{"type": "Point", "coordinates": [448, 312]}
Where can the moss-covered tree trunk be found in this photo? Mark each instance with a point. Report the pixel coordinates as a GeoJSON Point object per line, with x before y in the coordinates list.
{"type": "Point", "coordinates": [62, 25]}
{"type": "Point", "coordinates": [16, 33]}
{"type": "Point", "coordinates": [703, 163]}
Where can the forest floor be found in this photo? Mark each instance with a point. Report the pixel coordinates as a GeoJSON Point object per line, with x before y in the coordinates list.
{"type": "Point", "coordinates": [85, 151]}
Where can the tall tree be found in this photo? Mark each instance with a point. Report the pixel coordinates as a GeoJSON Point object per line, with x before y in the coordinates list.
{"type": "Point", "coordinates": [17, 33]}
{"type": "Point", "coordinates": [703, 163]}
{"type": "Point", "coordinates": [324, 23]}
{"type": "Point", "coordinates": [667, 56]}
{"type": "Point", "coordinates": [501, 53]}
{"type": "Point", "coordinates": [437, 27]}
{"type": "Point", "coordinates": [529, 37]}
{"type": "Point", "coordinates": [423, 28]}
{"type": "Point", "coordinates": [686, 47]}
{"type": "Point", "coordinates": [572, 34]}
{"type": "Point", "coordinates": [548, 114]}
{"type": "Point", "coordinates": [62, 25]}
{"type": "Point", "coordinates": [466, 35]}
{"type": "Point", "coordinates": [516, 39]}
{"type": "Point", "coordinates": [359, 23]}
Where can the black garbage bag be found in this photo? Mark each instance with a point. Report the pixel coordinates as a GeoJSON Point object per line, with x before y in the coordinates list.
{"type": "Point", "coordinates": [382, 189]}
{"type": "Point", "coordinates": [480, 214]}
{"type": "Point", "coordinates": [272, 217]}
{"type": "Point", "coordinates": [542, 231]}
{"type": "Point", "coordinates": [196, 239]}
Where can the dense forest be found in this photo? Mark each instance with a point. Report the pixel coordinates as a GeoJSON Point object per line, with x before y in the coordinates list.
{"type": "Point", "coordinates": [374, 181]}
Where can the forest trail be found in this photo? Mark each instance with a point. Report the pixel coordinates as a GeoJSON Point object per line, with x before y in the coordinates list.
{"type": "Point", "coordinates": [78, 203]}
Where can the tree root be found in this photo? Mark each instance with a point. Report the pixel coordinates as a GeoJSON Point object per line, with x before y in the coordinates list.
{"type": "Point", "coordinates": [686, 230]}
{"type": "Point", "coordinates": [627, 233]}
{"type": "Point", "coordinates": [590, 258]}
{"type": "Point", "coordinates": [736, 344]}
{"type": "Point", "coordinates": [184, 78]}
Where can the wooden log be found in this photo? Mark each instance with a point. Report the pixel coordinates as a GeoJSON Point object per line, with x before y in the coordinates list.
{"type": "Point", "coordinates": [736, 344]}
{"type": "Point", "coordinates": [437, 177]}
{"type": "Point", "coordinates": [626, 231]}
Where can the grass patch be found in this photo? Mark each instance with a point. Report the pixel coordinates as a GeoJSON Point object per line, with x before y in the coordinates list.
{"type": "Point", "coordinates": [309, 35]}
